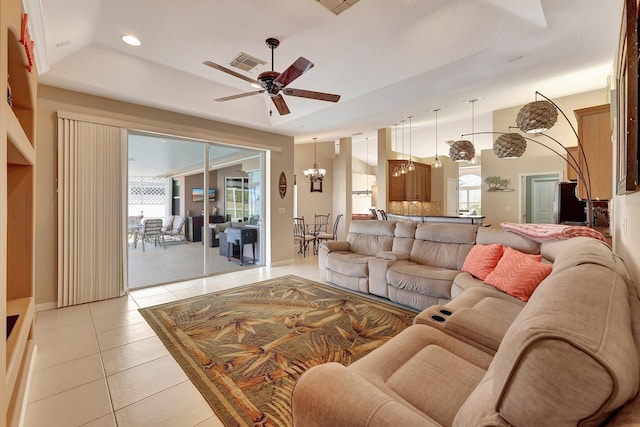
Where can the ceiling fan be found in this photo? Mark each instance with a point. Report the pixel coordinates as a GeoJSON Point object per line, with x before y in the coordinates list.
{"type": "Point", "coordinates": [275, 84]}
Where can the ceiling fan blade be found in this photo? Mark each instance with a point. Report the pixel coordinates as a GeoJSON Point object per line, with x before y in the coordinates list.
{"type": "Point", "coordinates": [294, 71]}
{"type": "Point", "coordinates": [278, 101]}
{"type": "Point", "coordinates": [240, 95]}
{"type": "Point", "coordinates": [311, 94]}
{"type": "Point", "coordinates": [228, 71]}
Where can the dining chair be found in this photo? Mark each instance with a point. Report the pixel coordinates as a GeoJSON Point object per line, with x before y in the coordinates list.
{"type": "Point", "coordinates": [374, 214]}
{"type": "Point", "coordinates": [302, 236]}
{"type": "Point", "coordinates": [329, 236]}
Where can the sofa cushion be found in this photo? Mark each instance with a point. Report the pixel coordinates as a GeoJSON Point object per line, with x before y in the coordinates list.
{"type": "Point", "coordinates": [348, 263]}
{"type": "Point", "coordinates": [221, 227]}
{"type": "Point", "coordinates": [518, 274]}
{"type": "Point", "coordinates": [370, 237]}
{"type": "Point", "coordinates": [482, 259]}
{"type": "Point", "coordinates": [404, 237]}
{"type": "Point", "coordinates": [443, 245]}
{"type": "Point", "coordinates": [491, 235]}
{"type": "Point", "coordinates": [421, 279]}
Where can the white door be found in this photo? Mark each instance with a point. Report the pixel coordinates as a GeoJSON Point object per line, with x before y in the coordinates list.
{"type": "Point", "coordinates": [452, 197]}
{"type": "Point", "coordinates": [542, 197]}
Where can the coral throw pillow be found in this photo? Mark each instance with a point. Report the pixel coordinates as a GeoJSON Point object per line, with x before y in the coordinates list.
{"type": "Point", "coordinates": [518, 274]}
{"type": "Point", "coordinates": [482, 259]}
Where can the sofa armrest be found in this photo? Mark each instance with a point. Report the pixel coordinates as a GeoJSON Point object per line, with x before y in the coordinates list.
{"type": "Point", "coordinates": [340, 245]}
{"type": "Point", "coordinates": [325, 249]}
{"type": "Point", "coordinates": [393, 256]}
{"type": "Point", "coordinates": [332, 395]}
{"type": "Point", "coordinates": [378, 268]}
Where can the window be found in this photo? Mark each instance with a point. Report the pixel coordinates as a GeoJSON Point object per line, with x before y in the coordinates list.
{"type": "Point", "coordinates": [236, 198]}
{"type": "Point", "coordinates": [470, 196]}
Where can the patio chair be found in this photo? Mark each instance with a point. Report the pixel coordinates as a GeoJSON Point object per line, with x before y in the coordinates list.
{"type": "Point", "coordinates": [176, 232]}
{"type": "Point", "coordinates": [152, 231]}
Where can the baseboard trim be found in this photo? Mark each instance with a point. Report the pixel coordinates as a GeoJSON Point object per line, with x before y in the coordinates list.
{"type": "Point", "coordinates": [283, 262]}
{"type": "Point", "coordinates": [46, 306]}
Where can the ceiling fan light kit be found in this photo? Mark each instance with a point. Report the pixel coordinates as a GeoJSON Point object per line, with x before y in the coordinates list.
{"type": "Point", "coordinates": [275, 84]}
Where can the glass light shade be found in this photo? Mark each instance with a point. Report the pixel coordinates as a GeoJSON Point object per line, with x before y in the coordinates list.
{"type": "Point", "coordinates": [462, 151]}
{"type": "Point", "coordinates": [509, 146]}
{"type": "Point", "coordinates": [536, 117]}
{"type": "Point", "coordinates": [411, 167]}
{"type": "Point", "coordinates": [436, 163]}
{"type": "Point", "coordinates": [396, 172]}
{"type": "Point", "coordinates": [403, 169]}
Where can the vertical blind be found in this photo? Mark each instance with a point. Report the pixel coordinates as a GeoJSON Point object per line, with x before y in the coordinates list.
{"type": "Point", "coordinates": [91, 225]}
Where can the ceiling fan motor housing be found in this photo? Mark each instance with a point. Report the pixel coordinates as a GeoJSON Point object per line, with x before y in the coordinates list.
{"type": "Point", "coordinates": [266, 79]}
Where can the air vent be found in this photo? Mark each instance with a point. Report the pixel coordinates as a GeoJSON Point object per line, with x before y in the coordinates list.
{"type": "Point", "coordinates": [246, 62]}
{"type": "Point", "coordinates": [337, 6]}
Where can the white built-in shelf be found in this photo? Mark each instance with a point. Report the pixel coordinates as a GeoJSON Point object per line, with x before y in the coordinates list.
{"type": "Point", "coordinates": [17, 342]}
{"type": "Point", "coordinates": [19, 148]}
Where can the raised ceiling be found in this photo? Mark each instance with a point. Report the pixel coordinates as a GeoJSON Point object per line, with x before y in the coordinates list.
{"type": "Point", "coordinates": [387, 58]}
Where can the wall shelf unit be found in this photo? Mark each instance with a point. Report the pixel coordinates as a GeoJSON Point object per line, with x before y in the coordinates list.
{"type": "Point", "coordinates": [17, 194]}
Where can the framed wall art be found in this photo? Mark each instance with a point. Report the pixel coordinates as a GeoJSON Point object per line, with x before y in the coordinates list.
{"type": "Point", "coordinates": [625, 102]}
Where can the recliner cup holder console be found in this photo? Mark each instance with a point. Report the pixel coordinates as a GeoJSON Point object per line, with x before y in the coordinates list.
{"type": "Point", "coordinates": [440, 318]}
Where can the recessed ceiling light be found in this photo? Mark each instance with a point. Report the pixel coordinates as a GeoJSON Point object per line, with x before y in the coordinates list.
{"type": "Point", "coordinates": [131, 40]}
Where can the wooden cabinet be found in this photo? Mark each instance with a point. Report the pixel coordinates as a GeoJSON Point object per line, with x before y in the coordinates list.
{"type": "Point", "coordinates": [413, 186]}
{"type": "Point", "coordinates": [571, 173]}
{"type": "Point", "coordinates": [17, 175]}
{"type": "Point", "coordinates": [594, 131]}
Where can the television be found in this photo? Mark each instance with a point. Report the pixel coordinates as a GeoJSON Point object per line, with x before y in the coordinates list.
{"type": "Point", "coordinates": [197, 194]}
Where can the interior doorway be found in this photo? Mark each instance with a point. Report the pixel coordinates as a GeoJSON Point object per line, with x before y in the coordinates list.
{"type": "Point", "coordinates": [538, 197]}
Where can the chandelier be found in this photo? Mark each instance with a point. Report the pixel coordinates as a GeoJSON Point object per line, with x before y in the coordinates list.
{"type": "Point", "coordinates": [314, 174]}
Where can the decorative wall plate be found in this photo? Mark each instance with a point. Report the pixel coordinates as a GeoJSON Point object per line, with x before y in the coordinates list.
{"type": "Point", "coordinates": [282, 185]}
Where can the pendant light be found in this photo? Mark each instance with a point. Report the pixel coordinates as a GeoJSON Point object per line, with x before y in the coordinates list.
{"type": "Point", "coordinates": [436, 163]}
{"type": "Point", "coordinates": [464, 150]}
{"type": "Point", "coordinates": [403, 167]}
{"type": "Point", "coordinates": [410, 166]}
{"type": "Point", "coordinates": [314, 174]}
{"type": "Point", "coordinates": [396, 170]}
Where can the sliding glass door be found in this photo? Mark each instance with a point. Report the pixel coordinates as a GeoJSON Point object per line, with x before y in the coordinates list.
{"type": "Point", "coordinates": [177, 212]}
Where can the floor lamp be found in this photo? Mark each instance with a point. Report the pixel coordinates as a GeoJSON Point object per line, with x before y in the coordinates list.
{"type": "Point", "coordinates": [512, 145]}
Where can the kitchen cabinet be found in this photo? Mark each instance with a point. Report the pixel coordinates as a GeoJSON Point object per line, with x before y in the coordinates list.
{"type": "Point", "coordinates": [17, 134]}
{"type": "Point", "coordinates": [594, 131]}
{"type": "Point", "coordinates": [414, 186]}
{"type": "Point", "coordinates": [571, 174]}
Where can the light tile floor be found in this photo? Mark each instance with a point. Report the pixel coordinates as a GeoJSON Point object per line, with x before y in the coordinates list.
{"type": "Point", "coordinates": [101, 365]}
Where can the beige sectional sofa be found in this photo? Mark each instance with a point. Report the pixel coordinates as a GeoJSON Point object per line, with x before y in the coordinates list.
{"type": "Point", "coordinates": [479, 357]}
{"type": "Point", "coordinates": [411, 263]}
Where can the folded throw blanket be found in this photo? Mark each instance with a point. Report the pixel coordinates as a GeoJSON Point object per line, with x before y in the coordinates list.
{"type": "Point", "coordinates": [543, 232]}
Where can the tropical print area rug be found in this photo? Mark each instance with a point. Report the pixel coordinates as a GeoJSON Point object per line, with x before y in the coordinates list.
{"type": "Point", "coordinates": [244, 348]}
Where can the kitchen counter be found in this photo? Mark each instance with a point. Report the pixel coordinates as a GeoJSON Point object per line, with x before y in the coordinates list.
{"type": "Point", "coordinates": [463, 219]}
